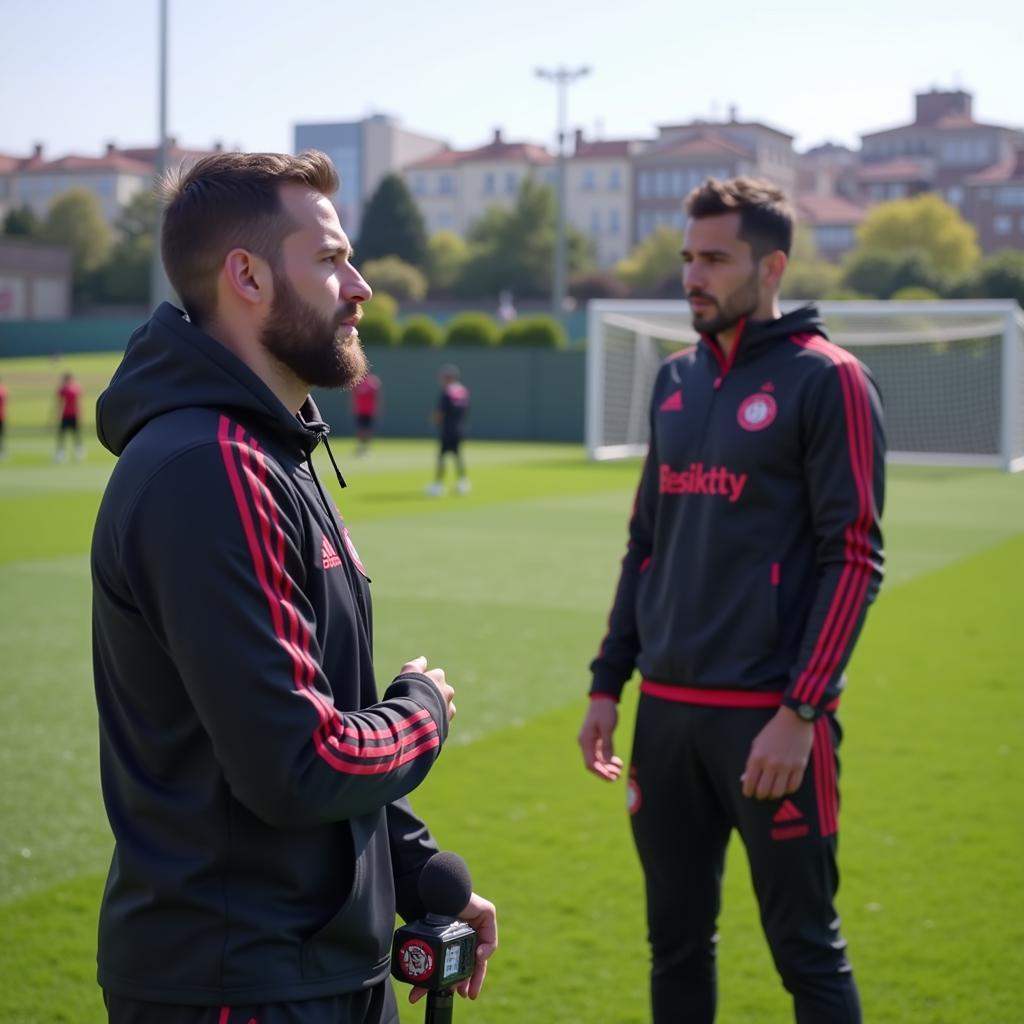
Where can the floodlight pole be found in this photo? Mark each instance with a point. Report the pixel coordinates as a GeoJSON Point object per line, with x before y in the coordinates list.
{"type": "Point", "coordinates": [159, 286]}
{"type": "Point", "coordinates": [562, 77]}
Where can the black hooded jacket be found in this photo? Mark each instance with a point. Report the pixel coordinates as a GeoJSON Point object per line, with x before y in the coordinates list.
{"type": "Point", "coordinates": [755, 545]}
{"type": "Point", "coordinates": [254, 781]}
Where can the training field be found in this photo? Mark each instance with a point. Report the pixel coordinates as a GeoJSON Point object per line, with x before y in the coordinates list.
{"type": "Point", "coordinates": [508, 589]}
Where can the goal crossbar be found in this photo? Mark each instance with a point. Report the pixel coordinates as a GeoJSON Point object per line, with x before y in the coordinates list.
{"type": "Point", "coordinates": [952, 346]}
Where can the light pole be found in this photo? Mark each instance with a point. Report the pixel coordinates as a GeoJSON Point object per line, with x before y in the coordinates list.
{"type": "Point", "coordinates": [159, 286]}
{"type": "Point", "coordinates": [562, 77]}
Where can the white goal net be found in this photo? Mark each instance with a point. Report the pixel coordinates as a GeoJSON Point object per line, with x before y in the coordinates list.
{"type": "Point", "coordinates": [951, 373]}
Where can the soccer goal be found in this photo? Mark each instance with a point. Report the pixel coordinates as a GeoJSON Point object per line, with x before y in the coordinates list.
{"type": "Point", "coordinates": [951, 373]}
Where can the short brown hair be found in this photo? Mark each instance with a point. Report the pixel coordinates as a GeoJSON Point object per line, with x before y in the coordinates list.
{"type": "Point", "coordinates": [766, 218]}
{"type": "Point", "coordinates": [227, 201]}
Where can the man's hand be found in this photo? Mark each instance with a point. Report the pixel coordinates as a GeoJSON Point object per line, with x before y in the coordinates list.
{"type": "Point", "coordinates": [436, 676]}
{"type": "Point", "coordinates": [595, 739]}
{"type": "Point", "coordinates": [778, 756]}
{"type": "Point", "coordinates": [481, 916]}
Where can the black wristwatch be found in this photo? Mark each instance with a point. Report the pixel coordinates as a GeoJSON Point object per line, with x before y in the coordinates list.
{"type": "Point", "coordinates": [807, 712]}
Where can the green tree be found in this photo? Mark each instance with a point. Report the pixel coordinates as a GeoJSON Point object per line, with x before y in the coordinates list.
{"type": "Point", "coordinates": [22, 222]}
{"type": "Point", "coordinates": [653, 262]}
{"type": "Point", "coordinates": [926, 225]}
{"type": "Point", "coordinates": [126, 275]}
{"type": "Point", "coordinates": [807, 275]}
{"type": "Point", "coordinates": [399, 279]}
{"type": "Point", "coordinates": [447, 254]}
{"type": "Point", "coordinates": [393, 225]}
{"type": "Point", "coordinates": [879, 274]}
{"type": "Point", "coordinates": [514, 249]}
{"type": "Point", "coordinates": [1001, 276]}
{"type": "Point", "coordinates": [75, 220]}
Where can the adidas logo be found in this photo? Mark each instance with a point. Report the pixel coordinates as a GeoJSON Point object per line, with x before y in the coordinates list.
{"type": "Point", "coordinates": [789, 822]}
{"type": "Point", "coordinates": [787, 812]}
{"type": "Point", "coordinates": [328, 554]}
{"type": "Point", "coordinates": [674, 403]}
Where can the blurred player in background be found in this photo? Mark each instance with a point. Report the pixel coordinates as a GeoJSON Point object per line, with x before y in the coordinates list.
{"type": "Point", "coordinates": [450, 417]}
{"type": "Point", "coordinates": [754, 551]}
{"type": "Point", "coordinates": [68, 402]}
{"type": "Point", "coordinates": [366, 408]}
{"type": "Point", "coordinates": [3, 418]}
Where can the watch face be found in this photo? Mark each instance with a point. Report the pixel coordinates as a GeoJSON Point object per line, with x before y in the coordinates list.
{"type": "Point", "coordinates": [806, 712]}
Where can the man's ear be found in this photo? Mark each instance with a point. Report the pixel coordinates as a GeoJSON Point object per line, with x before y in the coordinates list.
{"type": "Point", "coordinates": [248, 277]}
{"type": "Point", "coordinates": [773, 266]}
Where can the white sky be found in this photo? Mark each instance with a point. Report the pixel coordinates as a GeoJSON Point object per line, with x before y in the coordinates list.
{"type": "Point", "coordinates": [75, 75]}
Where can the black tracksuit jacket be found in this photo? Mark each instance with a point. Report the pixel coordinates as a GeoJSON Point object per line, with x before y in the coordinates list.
{"type": "Point", "coordinates": [254, 781]}
{"type": "Point", "coordinates": [754, 546]}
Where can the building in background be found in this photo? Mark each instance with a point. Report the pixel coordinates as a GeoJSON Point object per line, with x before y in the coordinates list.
{"type": "Point", "coordinates": [833, 222]}
{"type": "Point", "coordinates": [364, 152]}
{"type": "Point", "coordinates": [113, 178]}
{"type": "Point", "coordinates": [599, 194]}
{"type": "Point", "coordinates": [35, 280]}
{"type": "Point", "coordinates": [827, 170]}
{"type": "Point", "coordinates": [454, 188]}
{"type": "Point", "coordinates": [938, 151]}
{"type": "Point", "coordinates": [684, 155]}
{"type": "Point", "coordinates": [994, 204]}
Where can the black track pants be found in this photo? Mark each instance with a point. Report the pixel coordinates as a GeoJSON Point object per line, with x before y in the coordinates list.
{"type": "Point", "coordinates": [369, 1006]}
{"type": "Point", "coordinates": [685, 799]}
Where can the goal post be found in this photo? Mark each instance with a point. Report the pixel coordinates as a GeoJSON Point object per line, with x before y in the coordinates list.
{"type": "Point", "coordinates": [951, 373]}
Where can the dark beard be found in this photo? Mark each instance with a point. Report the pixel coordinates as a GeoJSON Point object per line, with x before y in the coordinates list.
{"type": "Point", "coordinates": [310, 346]}
{"type": "Point", "coordinates": [728, 313]}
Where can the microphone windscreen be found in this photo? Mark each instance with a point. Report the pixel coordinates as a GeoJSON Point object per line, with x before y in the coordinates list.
{"type": "Point", "coordinates": [445, 885]}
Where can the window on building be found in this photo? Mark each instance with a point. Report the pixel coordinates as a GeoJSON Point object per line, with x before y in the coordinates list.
{"type": "Point", "coordinates": [419, 184]}
{"type": "Point", "coordinates": [489, 184]}
{"type": "Point", "coordinates": [1010, 195]}
{"type": "Point", "coordinates": [446, 185]}
{"type": "Point", "coordinates": [614, 179]}
{"type": "Point", "coordinates": [643, 184]}
{"type": "Point", "coordinates": [967, 151]}
{"type": "Point", "coordinates": [1002, 224]}
{"type": "Point", "coordinates": [589, 183]}
{"type": "Point", "coordinates": [834, 236]}
{"type": "Point", "coordinates": [955, 195]}
{"type": "Point", "coordinates": [614, 222]}
{"type": "Point", "coordinates": [511, 183]}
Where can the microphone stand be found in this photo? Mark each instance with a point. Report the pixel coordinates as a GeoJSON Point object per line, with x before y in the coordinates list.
{"type": "Point", "coordinates": [439, 1007]}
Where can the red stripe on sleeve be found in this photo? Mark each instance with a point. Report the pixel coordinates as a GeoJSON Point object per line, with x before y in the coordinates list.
{"type": "Point", "coordinates": [825, 778]}
{"type": "Point", "coordinates": [277, 590]}
{"type": "Point", "coordinates": [848, 599]}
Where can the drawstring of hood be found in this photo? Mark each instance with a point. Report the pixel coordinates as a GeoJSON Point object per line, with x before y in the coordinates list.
{"type": "Point", "coordinates": [330, 455]}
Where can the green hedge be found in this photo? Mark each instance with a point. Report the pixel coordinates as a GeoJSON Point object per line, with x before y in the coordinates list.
{"type": "Point", "coordinates": [375, 329]}
{"type": "Point", "coordinates": [535, 332]}
{"type": "Point", "coordinates": [473, 330]}
{"type": "Point", "coordinates": [422, 332]}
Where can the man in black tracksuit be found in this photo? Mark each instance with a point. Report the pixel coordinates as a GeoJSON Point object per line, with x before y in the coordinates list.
{"type": "Point", "coordinates": [255, 782]}
{"type": "Point", "coordinates": [754, 551]}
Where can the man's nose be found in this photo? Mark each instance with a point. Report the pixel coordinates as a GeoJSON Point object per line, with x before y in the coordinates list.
{"type": "Point", "coordinates": [354, 287]}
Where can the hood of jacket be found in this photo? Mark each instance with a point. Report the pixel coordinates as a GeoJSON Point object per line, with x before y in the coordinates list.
{"type": "Point", "coordinates": [756, 334]}
{"type": "Point", "coordinates": [171, 364]}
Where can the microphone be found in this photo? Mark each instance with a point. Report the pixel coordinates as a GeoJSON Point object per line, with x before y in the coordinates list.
{"type": "Point", "coordinates": [438, 951]}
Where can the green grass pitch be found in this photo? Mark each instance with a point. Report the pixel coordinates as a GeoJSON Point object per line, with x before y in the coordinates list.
{"type": "Point", "coordinates": [508, 589]}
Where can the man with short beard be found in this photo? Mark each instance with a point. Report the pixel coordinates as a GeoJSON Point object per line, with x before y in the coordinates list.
{"type": "Point", "coordinates": [254, 780]}
{"type": "Point", "coordinates": [754, 551]}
